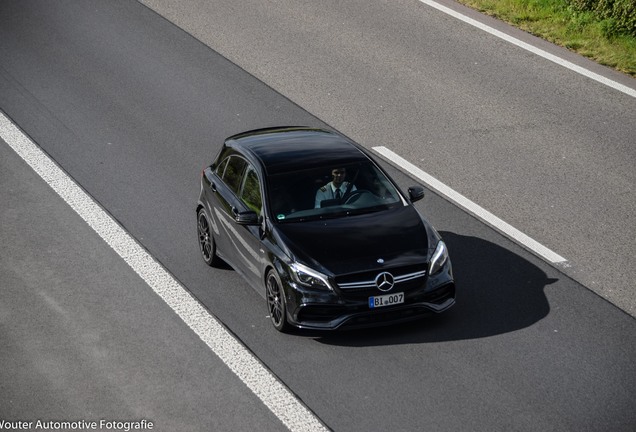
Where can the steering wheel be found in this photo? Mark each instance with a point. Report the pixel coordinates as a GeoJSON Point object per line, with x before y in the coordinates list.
{"type": "Point", "coordinates": [355, 195]}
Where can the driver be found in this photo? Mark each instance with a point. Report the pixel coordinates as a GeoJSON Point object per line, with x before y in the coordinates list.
{"type": "Point", "coordinates": [336, 188]}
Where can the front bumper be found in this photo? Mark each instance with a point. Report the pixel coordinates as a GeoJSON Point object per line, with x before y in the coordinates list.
{"type": "Point", "coordinates": [333, 310]}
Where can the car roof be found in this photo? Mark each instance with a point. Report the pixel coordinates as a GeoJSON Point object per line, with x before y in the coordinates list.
{"type": "Point", "coordinates": [287, 149]}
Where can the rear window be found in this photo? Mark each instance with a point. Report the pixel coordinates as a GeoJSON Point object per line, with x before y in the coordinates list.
{"type": "Point", "coordinates": [233, 173]}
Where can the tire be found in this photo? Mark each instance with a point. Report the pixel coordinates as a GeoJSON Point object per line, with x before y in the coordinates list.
{"type": "Point", "coordinates": [207, 247]}
{"type": "Point", "coordinates": [276, 302]}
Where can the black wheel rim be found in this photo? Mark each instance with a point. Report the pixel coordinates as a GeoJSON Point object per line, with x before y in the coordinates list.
{"type": "Point", "coordinates": [205, 242]}
{"type": "Point", "coordinates": [275, 301]}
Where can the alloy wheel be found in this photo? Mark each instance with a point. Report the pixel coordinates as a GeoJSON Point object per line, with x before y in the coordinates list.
{"type": "Point", "coordinates": [276, 302]}
{"type": "Point", "coordinates": [206, 242]}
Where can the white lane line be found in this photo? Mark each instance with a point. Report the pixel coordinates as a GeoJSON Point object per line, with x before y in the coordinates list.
{"type": "Point", "coordinates": [474, 209]}
{"type": "Point", "coordinates": [278, 398]}
{"type": "Point", "coordinates": [578, 69]}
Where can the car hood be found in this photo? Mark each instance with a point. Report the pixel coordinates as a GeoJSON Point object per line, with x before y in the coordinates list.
{"type": "Point", "coordinates": [357, 243]}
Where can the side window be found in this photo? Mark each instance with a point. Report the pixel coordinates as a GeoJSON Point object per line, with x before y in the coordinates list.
{"type": "Point", "coordinates": [251, 193]}
{"type": "Point", "coordinates": [220, 169]}
{"type": "Point", "coordinates": [234, 173]}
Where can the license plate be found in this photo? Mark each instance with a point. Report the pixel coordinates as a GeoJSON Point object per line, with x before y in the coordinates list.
{"type": "Point", "coordinates": [386, 300]}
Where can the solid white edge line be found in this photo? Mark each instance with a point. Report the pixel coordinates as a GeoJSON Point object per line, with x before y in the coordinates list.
{"type": "Point", "coordinates": [278, 398]}
{"type": "Point", "coordinates": [578, 69]}
{"type": "Point", "coordinates": [474, 209]}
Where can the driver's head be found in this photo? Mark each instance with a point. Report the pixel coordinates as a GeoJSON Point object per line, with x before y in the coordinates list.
{"type": "Point", "coordinates": [338, 175]}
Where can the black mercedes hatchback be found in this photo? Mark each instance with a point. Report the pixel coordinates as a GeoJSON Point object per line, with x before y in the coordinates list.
{"type": "Point", "coordinates": [310, 220]}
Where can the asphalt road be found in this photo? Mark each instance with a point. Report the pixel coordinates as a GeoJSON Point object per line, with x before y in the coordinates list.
{"type": "Point", "coordinates": [84, 338]}
{"type": "Point", "coordinates": [133, 107]}
{"type": "Point", "coordinates": [549, 151]}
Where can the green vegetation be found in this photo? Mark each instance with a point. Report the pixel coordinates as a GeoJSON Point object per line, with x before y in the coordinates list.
{"type": "Point", "coordinates": [603, 30]}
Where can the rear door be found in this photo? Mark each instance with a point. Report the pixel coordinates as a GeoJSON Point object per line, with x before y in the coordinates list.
{"type": "Point", "coordinates": [225, 185]}
{"type": "Point", "coordinates": [238, 190]}
{"type": "Point", "coordinates": [249, 245]}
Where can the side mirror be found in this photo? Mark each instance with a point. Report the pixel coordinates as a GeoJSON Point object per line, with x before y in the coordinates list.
{"type": "Point", "coordinates": [246, 218]}
{"type": "Point", "coordinates": [416, 193]}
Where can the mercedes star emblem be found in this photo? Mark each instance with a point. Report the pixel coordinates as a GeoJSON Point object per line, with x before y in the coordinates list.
{"type": "Point", "coordinates": [384, 281]}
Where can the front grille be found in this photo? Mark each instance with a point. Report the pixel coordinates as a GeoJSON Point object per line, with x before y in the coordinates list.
{"type": "Point", "coordinates": [371, 284]}
{"type": "Point", "coordinates": [359, 285]}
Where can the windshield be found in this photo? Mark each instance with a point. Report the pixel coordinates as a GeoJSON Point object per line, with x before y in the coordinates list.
{"type": "Point", "coordinates": [331, 191]}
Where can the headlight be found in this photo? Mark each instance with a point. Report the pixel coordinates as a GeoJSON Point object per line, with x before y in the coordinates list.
{"type": "Point", "coordinates": [439, 258]}
{"type": "Point", "coordinates": [308, 277]}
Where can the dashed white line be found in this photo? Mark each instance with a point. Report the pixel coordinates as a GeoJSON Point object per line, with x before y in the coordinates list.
{"type": "Point", "coordinates": [472, 208]}
{"type": "Point", "coordinates": [526, 46]}
{"type": "Point", "coordinates": [278, 398]}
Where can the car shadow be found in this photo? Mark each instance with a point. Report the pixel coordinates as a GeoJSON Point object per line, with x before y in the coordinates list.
{"type": "Point", "coordinates": [498, 291]}
{"type": "Point", "coordinates": [220, 264]}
